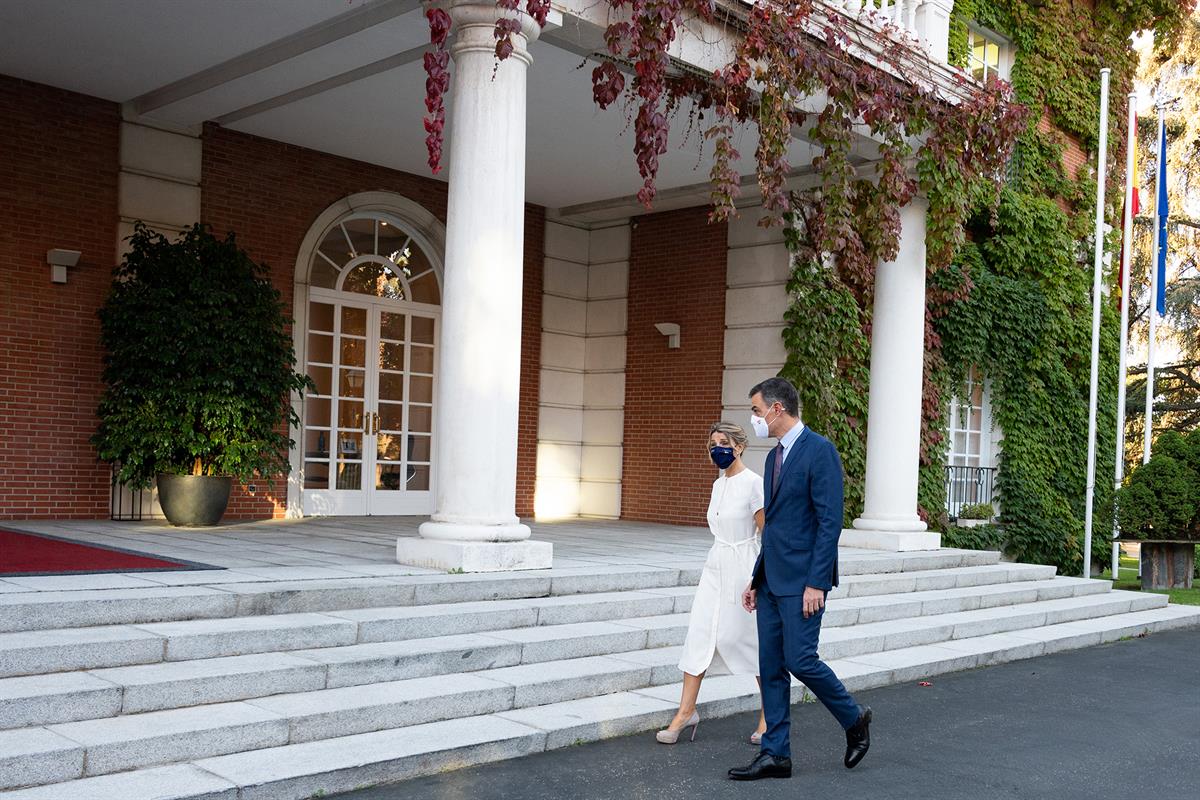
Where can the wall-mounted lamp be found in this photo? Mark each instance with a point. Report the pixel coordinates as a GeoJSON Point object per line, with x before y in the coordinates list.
{"type": "Point", "coordinates": [669, 330]}
{"type": "Point", "coordinates": [59, 260]}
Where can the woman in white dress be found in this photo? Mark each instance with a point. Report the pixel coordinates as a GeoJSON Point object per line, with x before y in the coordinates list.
{"type": "Point", "coordinates": [722, 637]}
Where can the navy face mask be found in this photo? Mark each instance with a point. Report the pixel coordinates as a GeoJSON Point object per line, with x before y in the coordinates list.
{"type": "Point", "coordinates": [722, 456]}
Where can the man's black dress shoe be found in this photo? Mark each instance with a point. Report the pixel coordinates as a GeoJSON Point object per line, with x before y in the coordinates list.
{"type": "Point", "coordinates": [765, 766]}
{"type": "Point", "coordinates": [858, 739]}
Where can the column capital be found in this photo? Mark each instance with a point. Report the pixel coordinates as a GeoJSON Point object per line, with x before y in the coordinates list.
{"type": "Point", "coordinates": [474, 22]}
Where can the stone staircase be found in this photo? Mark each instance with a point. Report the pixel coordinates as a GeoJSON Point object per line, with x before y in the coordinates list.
{"type": "Point", "coordinates": [289, 689]}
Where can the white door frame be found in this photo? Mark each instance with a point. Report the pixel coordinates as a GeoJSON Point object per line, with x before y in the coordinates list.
{"type": "Point", "coordinates": [430, 235]}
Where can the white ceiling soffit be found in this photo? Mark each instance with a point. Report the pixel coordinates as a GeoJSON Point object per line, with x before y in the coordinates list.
{"type": "Point", "coordinates": [342, 77]}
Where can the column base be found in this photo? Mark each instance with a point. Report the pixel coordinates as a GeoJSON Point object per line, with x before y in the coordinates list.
{"type": "Point", "coordinates": [474, 556]}
{"type": "Point", "coordinates": [890, 541]}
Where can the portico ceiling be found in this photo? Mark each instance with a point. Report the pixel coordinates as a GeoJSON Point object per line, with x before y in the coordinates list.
{"type": "Point", "coordinates": [340, 76]}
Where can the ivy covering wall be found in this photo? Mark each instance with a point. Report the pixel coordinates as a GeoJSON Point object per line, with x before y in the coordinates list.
{"type": "Point", "coordinates": [1016, 301]}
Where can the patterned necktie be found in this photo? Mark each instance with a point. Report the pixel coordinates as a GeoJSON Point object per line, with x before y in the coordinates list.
{"type": "Point", "coordinates": [778, 469]}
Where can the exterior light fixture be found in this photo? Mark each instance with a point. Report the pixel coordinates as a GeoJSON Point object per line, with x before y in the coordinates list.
{"type": "Point", "coordinates": [671, 331]}
{"type": "Point", "coordinates": [59, 260]}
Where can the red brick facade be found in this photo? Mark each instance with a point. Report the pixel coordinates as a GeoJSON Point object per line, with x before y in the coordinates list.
{"type": "Point", "coordinates": [531, 357]}
{"type": "Point", "coordinates": [677, 273]}
{"type": "Point", "coordinates": [58, 189]}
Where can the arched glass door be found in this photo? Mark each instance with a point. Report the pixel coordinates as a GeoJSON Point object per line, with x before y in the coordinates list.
{"type": "Point", "coordinates": [373, 313]}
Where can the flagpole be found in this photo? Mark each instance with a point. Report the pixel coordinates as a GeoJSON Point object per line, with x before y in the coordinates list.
{"type": "Point", "coordinates": [1097, 270]}
{"type": "Point", "coordinates": [1151, 309]}
{"type": "Point", "coordinates": [1126, 258]}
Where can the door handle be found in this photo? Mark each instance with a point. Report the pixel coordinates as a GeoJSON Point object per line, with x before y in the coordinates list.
{"type": "Point", "coordinates": [375, 423]}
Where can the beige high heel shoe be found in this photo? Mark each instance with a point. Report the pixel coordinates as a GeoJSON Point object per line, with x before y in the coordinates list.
{"type": "Point", "coordinates": [756, 738]}
{"type": "Point", "coordinates": [669, 736]}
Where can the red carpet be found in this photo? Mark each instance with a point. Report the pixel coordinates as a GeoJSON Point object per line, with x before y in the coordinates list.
{"type": "Point", "coordinates": [35, 554]}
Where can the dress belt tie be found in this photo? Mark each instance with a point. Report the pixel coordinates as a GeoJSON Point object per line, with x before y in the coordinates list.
{"type": "Point", "coordinates": [730, 589]}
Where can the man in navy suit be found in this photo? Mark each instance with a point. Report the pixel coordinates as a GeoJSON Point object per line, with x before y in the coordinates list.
{"type": "Point", "coordinates": [802, 486]}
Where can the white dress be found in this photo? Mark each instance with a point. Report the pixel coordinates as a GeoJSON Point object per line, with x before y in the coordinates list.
{"type": "Point", "coordinates": [722, 636]}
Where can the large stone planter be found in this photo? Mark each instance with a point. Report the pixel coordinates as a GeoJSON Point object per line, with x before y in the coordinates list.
{"type": "Point", "coordinates": [963, 522]}
{"type": "Point", "coordinates": [1167, 564]}
{"type": "Point", "coordinates": [194, 500]}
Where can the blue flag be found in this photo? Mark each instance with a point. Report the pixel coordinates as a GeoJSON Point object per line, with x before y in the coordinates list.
{"type": "Point", "coordinates": [1160, 218]}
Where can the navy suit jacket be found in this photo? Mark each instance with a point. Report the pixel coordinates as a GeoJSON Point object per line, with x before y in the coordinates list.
{"type": "Point", "coordinates": [803, 519]}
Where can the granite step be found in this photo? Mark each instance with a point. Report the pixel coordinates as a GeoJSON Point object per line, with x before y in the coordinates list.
{"type": "Point", "coordinates": [42, 608]}
{"type": "Point", "coordinates": [131, 741]}
{"type": "Point", "coordinates": [171, 684]}
{"type": "Point", "coordinates": [329, 765]}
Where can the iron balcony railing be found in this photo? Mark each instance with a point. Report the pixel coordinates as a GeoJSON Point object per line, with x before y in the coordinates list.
{"type": "Point", "coordinates": [969, 485]}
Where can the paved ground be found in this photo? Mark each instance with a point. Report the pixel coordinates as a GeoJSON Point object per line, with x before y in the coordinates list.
{"type": "Point", "coordinates": [358, 541]}
{"type": "Point", "coordinates": [1121, 720]}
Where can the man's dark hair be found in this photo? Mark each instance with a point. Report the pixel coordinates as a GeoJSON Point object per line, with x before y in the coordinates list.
{"type": "Point", "coordinates": [778, 390]}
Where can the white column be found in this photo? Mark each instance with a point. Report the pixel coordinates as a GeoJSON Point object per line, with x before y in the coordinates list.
{"type": "Point", "coordinates": [474, 526]}
{"type": "Point", "coordinates": [889, 520]}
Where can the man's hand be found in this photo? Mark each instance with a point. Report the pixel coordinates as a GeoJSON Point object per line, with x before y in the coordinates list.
{"type": "Point", "coordinates": [749, 599]}
{"type": "Point", "coordinates": [814, 601]}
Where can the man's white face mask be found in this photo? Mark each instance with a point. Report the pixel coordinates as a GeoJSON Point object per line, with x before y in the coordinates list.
{"type": "Point", "coordinates": [761, 426]}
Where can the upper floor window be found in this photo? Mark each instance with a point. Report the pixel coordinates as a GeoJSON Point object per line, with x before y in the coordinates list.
{"type": "Point", "coordinates": [988, 55]}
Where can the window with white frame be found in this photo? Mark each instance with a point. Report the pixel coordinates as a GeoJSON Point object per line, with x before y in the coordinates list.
{"type": "Point", "coordinates": [989, 56]}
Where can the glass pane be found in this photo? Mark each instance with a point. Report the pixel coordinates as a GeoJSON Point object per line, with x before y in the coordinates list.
{"type": "Point", "coordinates": [323, 274]}
{"type": "Point", "coordinates": [320, 317]}
{"type": "Point", "coordinates": [992, 57]}
{"type": "Point", "coordinates": [320, 348]}
{"type": "Point", "coordinates": [391, 326]}
{"type": "Point", "coordinates": [420, 419]}
{"type": "Point", "coordinates": [349, 445]}
{"type": "Point", "coordinates": [391, 386]}
{"type": "Point", "coordinates": [375, 279]}
{"type": "Point", "coordinates": [418, 479]}
{"type": "Point", "coordinates": [316, 475]}
{"type": "Point", "coordinates": [388, 448]}
{"type": "Point", "coordinates": [422, 330]}
{"type": "Point", "coordinates": [420, 448]}
{"type": "Point", "coordinates": [392, 243]}
{"type": "Point", "coordinates": [334, 246]}
{"type": "Point", "coordinates": [973, 443]}
{"type": "Point", "coordinates": [391, 416]}
{"type": "Point", "coordinates": [323, 377]}
{"type": "Point", "coordinates": [391, 356]}
{"type": "Point", "coordinates": [316, 444]}
{"type": "Point", "coordinates": [316, 412]}
{"type": "Point", "coordinates": [420, 390]}
{"type": "Point", "coordinates": [354, 321]}
{"type": "Point", "coordinates": [351, 382]}
{"type": "Point", "coordinates": [354, 352]}
{"type": "Point", "coordinates": [362, 235]}
{"type": "Point", "coordinates": [960, 442]}
{"type": "Point", "coordinates": [350, 414]}
{"type": "Point", "coordinates": [387, 477]}
{"type": "Point", "coordinates": [422, 359]}
{"type": "Point", "coordinates": [977, 71]}
{"type": "Point", "coordinates": [426, 290]}
{"type": "Point", "coordinates": [349, 475]}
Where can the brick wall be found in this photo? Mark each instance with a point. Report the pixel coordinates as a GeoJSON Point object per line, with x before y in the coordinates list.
{"type": "Point", "coordinates": [270, 193]}
{"type": "Point", "coordinates": [531, 357]}
{"type": "Point", "coordinates": [58, 189]}
{"type": "Point", "coordinates": [677, 273]}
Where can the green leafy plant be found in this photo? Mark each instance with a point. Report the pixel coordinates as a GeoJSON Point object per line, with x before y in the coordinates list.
{"type": "Point", "coordinates": [982, 537]}
{"type": "Point", "coordinates": [1161, 499]}
{"type": "Point", "coordinates": [199, 365]}
{"type": "Point", "coordinates": [976, 511]}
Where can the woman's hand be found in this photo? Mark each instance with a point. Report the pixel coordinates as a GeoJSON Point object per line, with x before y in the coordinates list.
{"type": "Point", "coordinates": [749, 598]}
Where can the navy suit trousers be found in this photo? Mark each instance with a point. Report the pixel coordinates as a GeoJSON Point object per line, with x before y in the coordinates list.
{"type": "Point", "coordinates": [787, 643]}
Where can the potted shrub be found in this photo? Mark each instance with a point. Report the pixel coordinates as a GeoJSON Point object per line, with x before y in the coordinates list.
{"type": "Point", "coordinates": [973, 514]}
{"type": "Point", "coordinates": [198, 372]}
{"type": "Point", "coordinates": [1159, 507]}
